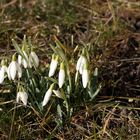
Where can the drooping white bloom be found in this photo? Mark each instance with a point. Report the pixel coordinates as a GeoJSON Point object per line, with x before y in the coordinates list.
{"type": "Point", "coordinates": [19, 71]}
{"type": "Point", "coordinates": [1, 76]}
{"type": "Point", "coordinates": [80, 63]}
{"type": "Point", "coordinates": [58, 94]}
{"type": "Point", "coordinates": [85, 76]}
{"type": "Point", "coordinates": [25, 60]}
{"type": "Point", "coordinates": [14, 69]}
{"type": "Point", "coordinates": [22, 96]}
{"type": "Point", "coordinates": [4, 67]}
{"type": "Point", "coordinates": [47, 95]}
{"type": "Point", "coordinates": [19, 59]}
{"type": "Point", "coordinates": [33, 60]}
{"type": "Point", "coordinates": [53, 65]}
{"type": "Point", "coordinates": [3, 71]}
{"type": "Point", "coordinates": [61, 76]}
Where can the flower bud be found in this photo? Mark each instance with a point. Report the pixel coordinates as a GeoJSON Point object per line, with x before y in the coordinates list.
{"type": "Point", "coordinates": [85, 76]}
{"type": "Point", "coordinates": [14, 69]}
{"type": "Point", "coordinates": [53, 65]}
{"type": "Point", "coordinates": [61, 76]}
{"type": "Point", "coordinates": [3, 71]}
{"type": "Point", "coordinates": [47, 95]}
{"type": "Point", "coordinates": [22, 96]}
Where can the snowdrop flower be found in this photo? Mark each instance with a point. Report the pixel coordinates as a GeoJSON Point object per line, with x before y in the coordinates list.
{"type": "Point", "coordinates": [47, 95]}
{"type": "Point", "coordinates": [14, 69]}
{"type": "Point", "coordinates": [22, 96]}
{"type": "Point", "coordinates": [23, 59]}
{"type": "Point", "coordinates": [3, 71]}
{"type": "Point", "coordinates": [53, 65]}
{"type": "Point", "coordinates": [19, 59]}
{"type": "Point", "coordinates": [1, 76]}
{"type": "Point", "coordinates": [85, 76]}
{"type": "Point", "coordinates": [33, 59]}
{"type": "Point", "coordinates": [80, 63]}
{"type": "Point", "coordinates": [61, 76]}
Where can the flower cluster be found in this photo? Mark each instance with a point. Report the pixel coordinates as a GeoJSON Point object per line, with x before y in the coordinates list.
{"type": "Point", "coordinates": [61, 79]}
{"type": "Point", "coordinates": [81, 67]}
{"type": "Point", "coordinates": [28, 59]}
{"type": "Point", "coordinates": [14, 70]}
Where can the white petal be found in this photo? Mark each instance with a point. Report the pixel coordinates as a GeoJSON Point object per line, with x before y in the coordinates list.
{"type": "Point", "coordinates": [23, 96]}
{"type": "Point", "coordinates": [35, 59]}
{"type": "Point", "coordinates": [30, 61]}
{"type": "Point", "coordinates": [8, 73]}
{"type": "Point", "coordinates": [4, 68]}
{"type": "Point", "coordinates": [19, 59]}
{"type": "Point", "coordinates": [47, 97]}
{"type": "Point", "coordinates": [1, 75]}
{"type": "Point", "coordinates": [85, 78]}
{"type": "Point", "coordinates": [18, 97]}
{"type": "Point", "coordinates": [61, 77]}
{"type": "Point", "coordinates": [81, 68]}
{"type": "Point", "coordinates": [19, 70]}
{"type": "Point", "coordinates": [25, 60]}
{"type": "Point", "coordinates": [12, 70]}
{"type": "Point", "coordinates": [25, 64]}
{"type": "Point", "coordinates": [83, 62]}
{"type": "Point", "coordinates": [79, 63]}
{"type": "Point", "coordinates": [53, 67]}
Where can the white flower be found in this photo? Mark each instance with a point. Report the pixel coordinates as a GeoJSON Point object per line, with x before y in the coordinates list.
{"type": "Point", "coordinates": [53, 65]}
{"type": "Point", "coordinates": [85, 76]}
{"type": "Point", "coordinates": [19, 59]}
{"type": "Point", "coordinates": [14, 69]}
{"type": "Point", "coordinates": [1, 75]}
{"type": "Point", "coordinates": [47, 95]}
{"type": "Point", "coordinates": [58, 94]}
{"type": "Point", "coordinates": [3, 71]}
{"type": "Point", "coordinates": [61, 76]}
{"type": "Point", "coordinates": [33, 60]}
{"type": "Point", "coordinates": [22, 96]}
{"type": "Point", "coordinates": [80, 63]}
{"type": "Point", "coordinates": [23, 60]}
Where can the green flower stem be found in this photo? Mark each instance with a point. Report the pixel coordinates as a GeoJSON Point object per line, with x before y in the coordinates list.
{"type": "Point", "coordinates": [33, 84]}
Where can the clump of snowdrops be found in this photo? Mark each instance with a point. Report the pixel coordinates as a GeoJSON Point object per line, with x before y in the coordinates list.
{"type": "Point", "coordinates": [38, 85]}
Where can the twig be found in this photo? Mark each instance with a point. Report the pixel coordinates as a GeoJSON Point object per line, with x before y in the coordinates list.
{"type": "Point", "coordinates": [127, 59]}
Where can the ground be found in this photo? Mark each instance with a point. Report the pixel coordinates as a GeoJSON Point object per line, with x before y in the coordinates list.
{"type": "Point", "coordinates": [111, 29]}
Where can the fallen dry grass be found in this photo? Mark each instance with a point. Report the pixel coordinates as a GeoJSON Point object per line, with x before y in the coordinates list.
{"type": "Point", "coordinates": [112, 31]}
